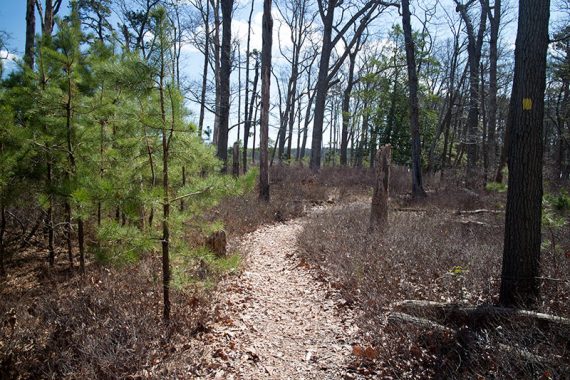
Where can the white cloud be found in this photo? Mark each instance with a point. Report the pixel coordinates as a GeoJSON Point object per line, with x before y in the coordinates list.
{"type": "Point", "coordinates": [6, 55]}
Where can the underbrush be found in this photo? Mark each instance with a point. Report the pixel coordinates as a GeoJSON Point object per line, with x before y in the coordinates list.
{"type": "Point", "coordinates": [432, 252]}
{"type": "Point", "coordinates": [107, 324]}
{"type": "Point", "coordinates": [54, 323]}
{"type": "Point", "coordinates": [294, 190]}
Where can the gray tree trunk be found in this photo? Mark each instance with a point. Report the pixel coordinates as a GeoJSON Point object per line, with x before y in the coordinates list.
{"type": "Point", "coordinates": [417, 186]}
{"type": "Point", "coordinates": [267, 39]}
{"type": "Point", "coordinates": [521, 254]}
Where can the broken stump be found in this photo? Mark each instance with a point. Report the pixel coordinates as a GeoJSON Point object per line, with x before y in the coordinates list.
{"type": "Point", "coordinates": [379, 209]}
{"type": "Point", "coordinates": [217, 242]}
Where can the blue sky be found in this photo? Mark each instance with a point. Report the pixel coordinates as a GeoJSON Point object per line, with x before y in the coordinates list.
{"type": "Point", "coordinates": [13, 22]}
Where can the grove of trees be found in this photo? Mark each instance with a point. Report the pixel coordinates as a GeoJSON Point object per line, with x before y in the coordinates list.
{"type": "Point", "coordinates": [96, 128]}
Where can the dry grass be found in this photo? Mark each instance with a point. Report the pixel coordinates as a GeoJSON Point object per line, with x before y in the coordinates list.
{"type": "Point", "coordinates": [293, 191]}
{"type": "Point", "coordinates": [434, 254]}
{"type": "Point", "coordinates": [106, 325]}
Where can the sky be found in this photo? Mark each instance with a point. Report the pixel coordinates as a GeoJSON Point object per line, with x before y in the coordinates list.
{"type": "Point", "coordinates": [12, 21]}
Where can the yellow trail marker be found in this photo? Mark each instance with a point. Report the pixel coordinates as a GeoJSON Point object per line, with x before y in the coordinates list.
{"type": "Point", "coordinates": [527, 104]}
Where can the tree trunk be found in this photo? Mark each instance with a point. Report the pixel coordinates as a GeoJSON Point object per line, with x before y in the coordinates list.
{"type": "Point", "coordinates": [2, 231]}
{"type": "Point", "coordinates": [474, 45]}
{"type": "Point", "coordinates": [417, 186]}
{"type": "Point", "coordinates": [267, 39]}
{"type": "Point", "coordinates": [346, 110]}
{"type": "Point", "coordinates": [248, 108]}
{"type": "Point", "coordinates": [165, 195]}
{"type": "Point", "coordinates": [30, 33]}
{"type": "Point", "coordinates": [206, 18]}
{"type": "Point", "coordinates": [322, 89]}
{"type": "Point", "coordinates": [495, 22]}
{"type": "Point", "coordinates": [521, 254]}
{"type": "Point", "coordinates": [51, 9]}
{"type": "Point", "coordinates": [249, 119]}
{"type": "Point", "coordinates": [225, 72]}
{"type": "Point", "coordinates": [308, 110]}
{"type": "Point", "coordinates": [217, 68]}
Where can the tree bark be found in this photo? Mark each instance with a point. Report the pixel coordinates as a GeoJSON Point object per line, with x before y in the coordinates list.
{"type": "Point", "coordinates": [30, 33]}
{"type": "Point", "coordinates": [217, 68]}
{"type": "Point", "coordinates": [521, 254]}
{"type": "Point", "coordinates": [225, 72]}
{"type": "Point", "coordinates": [206, 19]}
{"type": "Point", "coordinates": [2, 244]}
{"type": "Point", "coordinates": [267, 39]}
{"type": "Point", "coordinates": [494, 22]}
{"type": "Point", "coordinates": [417, 186]}
{"type": "Point", "coordinates": [248, 108]}
{"type": "Point", "coordinates": [379, 209]}
{"type": "Point", "coordinates": [346, 110]}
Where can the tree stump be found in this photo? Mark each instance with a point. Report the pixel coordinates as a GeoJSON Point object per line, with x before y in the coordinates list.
{"type": "Point", "coordinates": [216, 243]}
{"type": "Point", "coordinates": [379, 209]}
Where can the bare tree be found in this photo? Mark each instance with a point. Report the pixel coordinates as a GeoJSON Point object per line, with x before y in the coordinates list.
{"type": "Point", "coordinates": [417, 186]}
{"type": "Point", "coordinates": [267, 39]}
{"type": "Point", "coordinates": [494, 14]}
{"type": "Point", "coordinates": [248, 108]}
{"type": "Point", "coordinates": [347, 93]}
{"type": "Point", "coordinates": [299, 21]}
{"type": "Point", "coordinates": [362, 15]}
{"type": "Point", "coordinates": [474, 45]}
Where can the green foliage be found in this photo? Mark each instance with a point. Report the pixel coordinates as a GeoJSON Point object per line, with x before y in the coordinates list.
{"type": "Point", "coordinates": [496, 186]}
{"type": "Point", "coordinates": [458, 270]}
{"type": "Point", "coordinates": [560, 201]}
{"type": "Point", "coordinates": [199, 266]}
{"type": "Point", "coordinates": [120, 245]}
{"type": "Point", "coordinates": [384, 94]}
{"type": "Point", "coordinates": [96, 116]}
{"type": "Point", "coordinates": [554, 207]}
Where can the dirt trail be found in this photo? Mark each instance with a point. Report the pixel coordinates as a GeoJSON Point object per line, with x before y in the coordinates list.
{"type": "Point", "coordinates": [276, 320]}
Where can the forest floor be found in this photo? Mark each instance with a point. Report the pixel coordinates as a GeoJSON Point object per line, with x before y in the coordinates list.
{"type": "Point", "coordinates": [279, 320]}
{"type": "Point", "coordinates": [313, 294]}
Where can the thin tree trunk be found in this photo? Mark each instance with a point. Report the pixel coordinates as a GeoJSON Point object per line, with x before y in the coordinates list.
{"type": "Point", "coordinates": [248, 108]}
{"type": "Point", "coordinates": [2, 231]}
{"type": "Point", "coordinates": [248, 120]}
{"type": "Point", "coordinates": [165, 196]}
{"type": "Point", "coordinates": [474, 45]}
{"type": "Point", "coordinates": [495, 22]}
{"type": "Point", "coordinates": [346, 110]}
{"type": "Point", "coordinates": [217, 68]}
{"type": "Point", "coordinates": [225, 72]}
{"type": "Point", "coordinates": [267, 40]}
{"type": "Point", "coordinates": [205, 69]}
{"type": "Point", "coordinates": [417, 186]}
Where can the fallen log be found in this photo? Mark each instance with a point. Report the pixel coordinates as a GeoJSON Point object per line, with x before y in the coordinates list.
{"type": "Point", "coordinates": [395, 316]}
{"type": "Point", "coordinates": [480, 211]}
{"type": "Point", "coordinates": [479, 314]}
